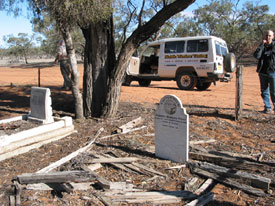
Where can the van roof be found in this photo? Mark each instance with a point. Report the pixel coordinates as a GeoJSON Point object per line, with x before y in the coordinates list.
{"type": "Point", "coordinates": [185, 38]}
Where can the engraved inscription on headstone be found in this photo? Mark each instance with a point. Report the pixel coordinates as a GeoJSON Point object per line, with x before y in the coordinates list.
{"type": "Point", "coordinates": [172, 130]}
{"type": "Point", "coordinates": [41, 109]}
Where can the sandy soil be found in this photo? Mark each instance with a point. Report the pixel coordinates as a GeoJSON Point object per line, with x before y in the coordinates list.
{"type": "Point", "coordinates": [222, 95]}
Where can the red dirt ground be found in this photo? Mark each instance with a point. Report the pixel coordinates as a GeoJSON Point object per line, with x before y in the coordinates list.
{"type": "Point", "coordinates": [222, 95]}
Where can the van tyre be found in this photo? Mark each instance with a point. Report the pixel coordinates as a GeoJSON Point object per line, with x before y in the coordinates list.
{"type": "Point", "coordinates": [186, 80]}
{"type": "Point", "coordinates": [126, 80]}
{"type": "Point", "coordinates": [144, 82]}
{"type": "Point", "coordinates": [203, 86]}
{"type": "Point", "coordinates": [229, 62]}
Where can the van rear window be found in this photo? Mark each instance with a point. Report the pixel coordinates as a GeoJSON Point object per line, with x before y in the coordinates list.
{"type": "Point", "coordinates": [197, 45]}
{"type": "Point", "coordinates": [174, 47]}
{"type": "Point", "coordinates": [221, 49]}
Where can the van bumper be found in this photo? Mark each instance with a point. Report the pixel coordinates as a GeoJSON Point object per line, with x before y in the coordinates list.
{"type": "Point", "coordinates": [222, 77]}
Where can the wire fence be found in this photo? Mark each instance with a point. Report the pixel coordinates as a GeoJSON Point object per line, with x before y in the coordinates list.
{"type": "Point", "coordinates": [35, 76]}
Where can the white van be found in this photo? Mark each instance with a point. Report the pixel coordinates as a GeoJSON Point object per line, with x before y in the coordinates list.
{"type": "Point", "coordinates": [190, 61]}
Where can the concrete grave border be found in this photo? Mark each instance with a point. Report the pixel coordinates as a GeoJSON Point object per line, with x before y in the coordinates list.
{"type": "Point", "coordinates": [24, 141]}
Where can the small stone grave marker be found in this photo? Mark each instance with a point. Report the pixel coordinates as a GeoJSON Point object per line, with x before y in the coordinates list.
{"type": "Point", "coordinates": [41, 105]}
{"type": "Point", "coordinates": [171, 130]}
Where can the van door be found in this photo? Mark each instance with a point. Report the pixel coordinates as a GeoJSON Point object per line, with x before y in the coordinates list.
{"type": "Point", "coordinates": [133, 68]}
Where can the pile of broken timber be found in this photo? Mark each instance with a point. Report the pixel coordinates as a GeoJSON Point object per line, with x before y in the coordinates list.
{"type": "Point", "coordinates": [231, 169]}
{"type": "Point", "coordinates": [121, 192]}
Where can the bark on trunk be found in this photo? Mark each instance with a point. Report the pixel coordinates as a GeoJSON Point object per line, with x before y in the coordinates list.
{"type": "Point", "coordinates": [78, 104]}
{"type": "Point", "coordinates": [98, 63]}
{"type": "Point", "coordinates": [103, 77]}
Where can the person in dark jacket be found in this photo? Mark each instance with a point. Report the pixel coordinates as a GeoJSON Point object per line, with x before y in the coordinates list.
{"type": "Point", "coordinates": [265, 54]}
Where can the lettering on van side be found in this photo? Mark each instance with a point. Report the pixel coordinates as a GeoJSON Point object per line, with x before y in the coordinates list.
{"type": "Point", "coordinates": [186, 56]}
{"type": "Point", "coordinates": [203, 67]}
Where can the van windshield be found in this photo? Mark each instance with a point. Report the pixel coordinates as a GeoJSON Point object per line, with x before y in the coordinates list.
{"type": "Point", "coordinates": [221, 49]}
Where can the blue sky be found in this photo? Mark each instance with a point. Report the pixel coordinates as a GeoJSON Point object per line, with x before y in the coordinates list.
{"type": "Point", "coordinates": [11, 25]}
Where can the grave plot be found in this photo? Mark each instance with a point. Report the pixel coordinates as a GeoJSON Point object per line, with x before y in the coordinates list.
{"type": "Point", "coordinates": [24, 133]}
{"type": "Point", "coordinates": [117, 169]}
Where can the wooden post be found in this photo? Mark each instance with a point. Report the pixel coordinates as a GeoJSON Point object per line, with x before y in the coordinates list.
{"type": "Point", "coordinates": [38, 76]}
{"type": "Point", "coordinates": [239, 92]}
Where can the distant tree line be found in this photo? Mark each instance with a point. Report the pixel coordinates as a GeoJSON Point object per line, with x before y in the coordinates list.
{"type": "Point", "coordinates": [241, 26]}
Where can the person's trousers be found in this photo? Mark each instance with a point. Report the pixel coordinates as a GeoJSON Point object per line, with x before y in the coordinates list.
{"type": "Point", "coordinates": [65, 71]}
{"type": "Point", "coordinates": [267, 82]}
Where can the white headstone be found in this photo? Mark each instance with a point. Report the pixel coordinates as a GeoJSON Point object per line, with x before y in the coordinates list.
{"type": "Point", "coordinates": [171, 130]}
{"type": "Point", "coordinates": [41, 105]}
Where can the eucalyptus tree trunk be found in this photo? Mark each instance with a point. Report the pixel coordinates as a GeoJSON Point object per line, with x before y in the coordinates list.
{"type": "Point", "coordinates": [99, 61]}
{"type": "Point", "coordinates": [78, 102]}
{"type": "Point", "coordinates": [102, 73]}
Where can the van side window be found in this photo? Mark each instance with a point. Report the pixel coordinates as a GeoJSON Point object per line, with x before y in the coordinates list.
{"type": "Point", "coordinates": [174, 47]}
{"type": "Point", "coordinates": [197, 45]}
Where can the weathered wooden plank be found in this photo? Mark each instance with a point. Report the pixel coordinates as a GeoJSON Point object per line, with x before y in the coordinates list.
{"type": "Point", "coordinates": [141, 168]}
{"type": "Point", "coordinates": [117, 165]}
{"type": "Point", "coordinates": [101, 181]}
{"type": "Point", "coordinates": [148, 169]}
{"type": "Point", "coordinates": [243, 177]}
{"type": "Point", "coordinates": [94, 167]}
{"type": "Point", "coordinates": [229, 182]}
{"type": "Point", "coordinates": [105, 200]}
{"type": "Point", "coordinates": [46, 187]}
{"type": "Point", "coordinates": [202, 141]}
{"type": "Point", "coordinates": [114, 160]}
{"type": "Point", "coordinates": [202, 200]}
{"type": "Point", "coordinates": [55, 177]}
{"type": "Point", "coordinates": [228, 161]}
{"type": "Point", "coordinates": [204, 187]}
{"type": "Point", "coordinates": [130, 125]}
{"type": "Point", "coordinates": [191, 184]}
{"type": "Point", "coordinates": [156, 197]}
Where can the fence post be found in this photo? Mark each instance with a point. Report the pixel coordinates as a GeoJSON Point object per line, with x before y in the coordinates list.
{"type": "Point", "coordinates": [239, 92]}
{"type": "Point", "coordinates": [38, 76]}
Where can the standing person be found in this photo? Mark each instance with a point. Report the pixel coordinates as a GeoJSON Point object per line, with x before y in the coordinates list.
{"type": "Point", "coordinates": [265, 53]}
{"type": "Point", "coordinates": [65, 67]}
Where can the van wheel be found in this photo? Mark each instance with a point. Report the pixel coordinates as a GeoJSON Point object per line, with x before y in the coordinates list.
{"type": "Point", "coordinates": [126, 80]}
{"type": "Point", "coordinates": [186, 80]}
{"type": "Point", "coordinates": [229, 62]}
{"type": "Point", "coordinates": [144, 82]}
{"type": "Point", "coordinates": [203, 86]}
